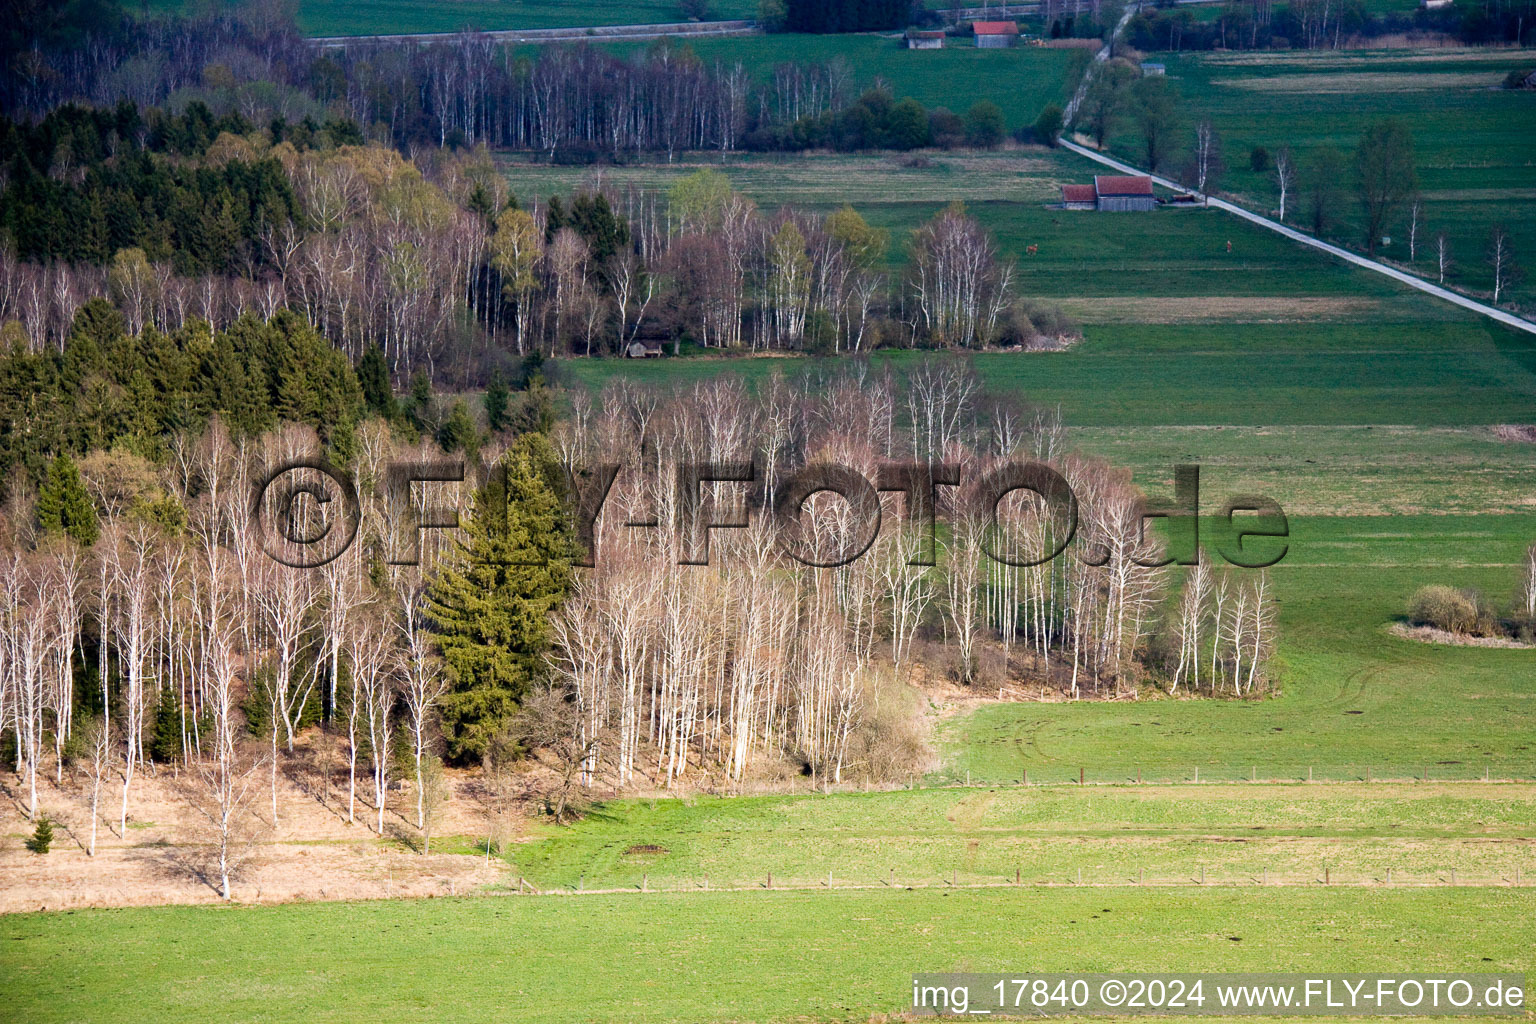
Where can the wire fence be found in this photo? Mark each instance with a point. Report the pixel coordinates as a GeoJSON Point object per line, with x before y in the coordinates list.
{"type": "Point", "coordinates": [1227, 877]}
{"type": "Point", "coordinates": [1258, 773]}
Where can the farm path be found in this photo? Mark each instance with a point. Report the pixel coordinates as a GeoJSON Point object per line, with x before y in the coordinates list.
{"type": "Point", "coordinates": [1492, 312]}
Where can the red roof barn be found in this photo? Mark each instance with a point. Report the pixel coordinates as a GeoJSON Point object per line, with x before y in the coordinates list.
{"type": "Point", "coordinates": [994, 34]}
{"type": "Point", "coordinates": [1117, 192]}
{"type": "Point", "coordinates": [1078, 197]}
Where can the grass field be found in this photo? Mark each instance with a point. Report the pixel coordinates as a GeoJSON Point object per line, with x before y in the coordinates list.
{"type": "Point", "coordinates": [1431, 375]}
{"type": "Point", "coordinates": [1470, 136]}
{"type": "Point", "coordinates": [389, 17]}
{"type": "Point", "coordinates": [1115, 835]}
{"type": "Point", "coordinates": [841, 956]}
{"type": "Point", "coordinates": [1355, 696]}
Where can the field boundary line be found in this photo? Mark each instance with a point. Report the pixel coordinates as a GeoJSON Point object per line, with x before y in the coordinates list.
{"type": "Point", "coordinates": [571, 34]}
{"type": "Point", "coordinates": [1413, 281]}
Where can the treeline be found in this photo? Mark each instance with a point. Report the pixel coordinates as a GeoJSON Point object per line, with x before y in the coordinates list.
{"type": "Point", "coordinates": [107, 387]}
{"type": "Point", "coordinates": [1321, 24]}
{"type": "Point", "coordinates": [575, 103]}
{"type": "Point", "coordinates": [84, 184]}
{"type": "Point", "coordinates": [446, 272]}
{"type": "Point", "coordinates": [146, 620]}
{"type": "Point", "coordinates": [847, 15]}
{"type": "Point", "coordinates": [877, 120]}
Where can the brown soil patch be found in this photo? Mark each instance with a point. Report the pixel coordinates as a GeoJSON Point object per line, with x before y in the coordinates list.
{"type": "Point", "coordinates": [1217, 309]}
{"type": "Point", "coordinates": [165, 856]}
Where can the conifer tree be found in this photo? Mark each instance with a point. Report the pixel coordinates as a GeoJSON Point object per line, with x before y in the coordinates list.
{"type": "Point", "coordinates": [496, 402]}
{"type": "Point", "coordinates": [63, 506]}
{"type": "Point", "coordinates": [373, 377]}
{"type": "Point", "coordinates": [490, 606]}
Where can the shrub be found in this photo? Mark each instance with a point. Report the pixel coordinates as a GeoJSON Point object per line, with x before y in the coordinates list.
{"type": "Point", "coordinates": [984, 125]}
{"type": "Point", "coordinates": [1047, 128]}
{"type": "Point", "coordinates": [42, 837]}
{"type": "Point", "coordinates": [1258, 160]}
{"type": "Point", "coordinates": [1456, 611]}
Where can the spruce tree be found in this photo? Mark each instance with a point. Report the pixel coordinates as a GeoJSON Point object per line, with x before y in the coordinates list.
{"type": "Point", "coordinates": [458, 432]}
{"type": "Point", "coordinates": [42, 837]}
{"type": "Point", "coordinates": [496, 405]}
{"type": "Point", "coordinates": [63, 506]}
{"type": "Point", "coordinates": [490, 606]}
{"type": "Point", "coordinates": [373, 377]}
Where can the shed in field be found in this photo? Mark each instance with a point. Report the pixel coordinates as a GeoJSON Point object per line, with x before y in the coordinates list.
{"type": "Point", "coordinates": [1120, 193]}
{"type": "Point", "coordinates": [1150, 67]}
{"type": "Point", "coordinates": [646, 348]}
{"type": "Point", "coordinates": [994, 35]}
{"type": "Point", "coordinates": [1111, 192]}
{"type": "Point", "coordinates": [924, 39]}
{"type": "Point", "coordinates": [1078, 197]}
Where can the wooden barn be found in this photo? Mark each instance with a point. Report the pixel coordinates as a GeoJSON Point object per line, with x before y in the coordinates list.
{"type": "Point", "coordinates": [1115, 193]}
{"type": "Point", "coordinates": [1079, 197]}
{"type": "Point", "coordinates": [924, 39]}
{"type": "Point", "coordinates": [1119, 193]}
{"type": "Point", "coordinates": [994, 35]}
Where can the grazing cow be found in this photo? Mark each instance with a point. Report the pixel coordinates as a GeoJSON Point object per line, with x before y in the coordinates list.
{"type": "Point", "coordinates": [1032, 250]}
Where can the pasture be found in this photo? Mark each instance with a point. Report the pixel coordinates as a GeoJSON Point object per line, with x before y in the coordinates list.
{"type": "Point", "coordinates": [389, 17]}
{"type": "Point", "coordinates": [1114, 834]}
{"type": "Point", "coordinates": [1356, 700]}
{"type": "Point", "coordinates": [1471, 138]}
{"type": "Point", "coordinates": [760, 956]}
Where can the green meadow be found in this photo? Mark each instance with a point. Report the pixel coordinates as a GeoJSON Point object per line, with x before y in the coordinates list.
{"type": "Point", "coordinates": [1356, 700]}
{"type": "Point", "coordinates": [1120, 834]}
{"type": "Point", "coordinates": [1471, 138]}
{"type": "Point", "coordinates": [391, 17]}
{"type": "Point", "coordinates": [739, 956]}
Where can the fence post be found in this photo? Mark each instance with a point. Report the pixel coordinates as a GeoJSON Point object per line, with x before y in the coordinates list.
{"type": "Point", "coordinates": [1453, 876]}
{"type": "Point", "coordinates": [1018, 875]}
{"type": "Point", "coordinates": [1079, 876]}
{"type": "Point", "coordinates": [1367, 773]}
{"type": "Point", "coordinates": [1025, 782]}
{"type": "Point", "coordinates": [645, 882]}
{"type": "Point", "coordinates": [1080, 776]}
{"type": "Point", "coordinates": [1309, 773]}
{"type": "Point", "coordinates": [954, 878]}
{"type": "Point", "coordinates": [1197, 774]}
{"type": "Point", "coordinates": [967, 776]}
{"type": "Point", "coordinates": [829, 878]}
{"type": "Point", "coordinates": [770, 879]}
{"type": "Point", "coordinates": [1141, 876]}
{"type": "Point", "coordinates": [581, 882]}
{"type": "Point", "coordinates": [1202, 874]}
{"type": "Point", "coordinates": [1138, 776]}
{"type": "Point", "coordinates": [1253, 774]}
{"type": "Point", "coordinates": [893, 878]}
{"type": "Point", "coordinates": [706, 883]}
{"type": "Point", "coordinates": [1325, 875]}
{"type": "Point", "coordinates": [1389, 876]}
{"type": "Point", "coordinates": [1264, 880]}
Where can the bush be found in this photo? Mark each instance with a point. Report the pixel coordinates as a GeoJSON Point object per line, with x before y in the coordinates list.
{"type": "Point", "coordinates": [1258, 160]}
{"type": "Point", "coordinates": [1461, 612]}
{"type": "Point", "coordinates": [984, 125]}
{"type": "Point", "coordinates": [42, 837]}
{"type": "Point", "coordinates": [1048, 125]}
